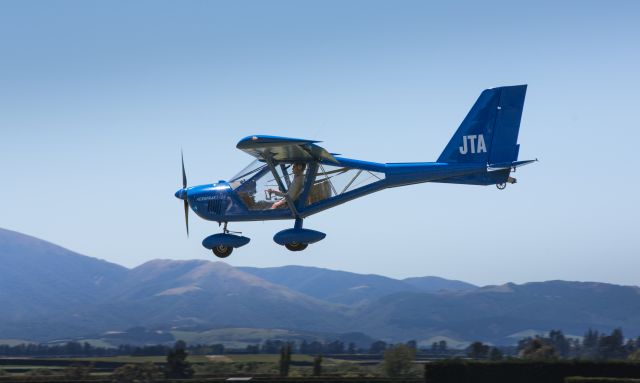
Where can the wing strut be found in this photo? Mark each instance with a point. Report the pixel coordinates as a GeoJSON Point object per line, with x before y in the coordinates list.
{"type": "Point", "coordinates": [269, 160]}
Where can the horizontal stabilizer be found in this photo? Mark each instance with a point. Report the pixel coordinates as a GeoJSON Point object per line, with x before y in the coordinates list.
{"type": "Point", "coordinates": [509, 165]}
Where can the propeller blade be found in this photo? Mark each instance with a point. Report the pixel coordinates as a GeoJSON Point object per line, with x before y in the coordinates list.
{"type": "Point", "coordinates": [186, 215]}
{"type": "Point", "coordinates": [184, 193]}
{"type": "Point", "coordinates": [184, 174]}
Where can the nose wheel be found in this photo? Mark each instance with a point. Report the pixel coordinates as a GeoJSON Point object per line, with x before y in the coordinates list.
{"type": "Point", "coordinates": [295, 246]}
{"type": "Point", "coordinates": [222, 251]}
{"type": "Point", "coordinates": [222, 244]}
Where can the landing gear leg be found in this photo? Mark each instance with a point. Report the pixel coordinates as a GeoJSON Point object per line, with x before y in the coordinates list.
{"type": "Point", "coordinates": [223, 251]}
{"type": "Point", "coordinates": [296, 246]}
{"type": "Point", "coordinates": [222, 244]}
{"type": "Point", "coordinates": [297, 238]}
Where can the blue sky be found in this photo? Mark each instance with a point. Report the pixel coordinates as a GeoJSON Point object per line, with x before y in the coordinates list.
{"type": "Point", "coordinates": [97, 98]}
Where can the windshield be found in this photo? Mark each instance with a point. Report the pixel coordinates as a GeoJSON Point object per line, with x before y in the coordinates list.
{"type": "Point", "coordinates": [263, 189]}
{"type": "Point", "coordinates": [249, 171]}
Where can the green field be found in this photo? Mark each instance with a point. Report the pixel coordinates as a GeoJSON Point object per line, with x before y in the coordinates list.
{"type": "Point", "coordinates": [204, 365]}
{"type": "Point", "coordinates": [240, 338]}
{"type": "Point", "coordinates": [268, 358]}
{"type": "Point", "coordinates": [243, 364]}
{"type": "Point", "coordinates": [196, 359]}
{"type": "Point", "coordinates": [135, 359]}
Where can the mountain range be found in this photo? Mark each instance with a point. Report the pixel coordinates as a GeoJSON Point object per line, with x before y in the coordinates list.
{"type": "Point", "coordinates": [49, 293]}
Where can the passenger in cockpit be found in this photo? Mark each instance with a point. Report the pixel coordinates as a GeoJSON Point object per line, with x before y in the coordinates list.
{"type": "Point", "coordinates": [294, 190]}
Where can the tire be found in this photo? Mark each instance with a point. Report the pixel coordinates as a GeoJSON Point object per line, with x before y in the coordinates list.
{"type": "Point", "coordinates": [222, 251]}
{"type": "Point", "coordinates": [294, 246]}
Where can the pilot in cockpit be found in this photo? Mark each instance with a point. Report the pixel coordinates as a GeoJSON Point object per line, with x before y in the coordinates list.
{"type": "Point", "coordinates": [294, 190]}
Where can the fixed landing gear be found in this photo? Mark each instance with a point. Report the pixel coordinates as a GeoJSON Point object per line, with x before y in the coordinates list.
{"type": "Point", "coordinates": [503, 185]}
{"type": "Point", "coordinates": [222, 251]}
{"type": "Point", "coordinates": [297, 239]}
{"type": "Point", "coordinates": [222, 244]}
{"type": "Point", "coordinates": [295, 246]}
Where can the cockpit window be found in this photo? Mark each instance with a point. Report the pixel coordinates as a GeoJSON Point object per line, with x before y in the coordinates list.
{"type": "Point", "coordinates": [333, 181]}
{"type": "Point", "coordinates": [247, 173]}
{"type": "Point", "coordinates": [260, 190]}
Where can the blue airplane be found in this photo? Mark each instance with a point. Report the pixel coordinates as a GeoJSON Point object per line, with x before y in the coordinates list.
{"type": "Point", "coordinates": [293, 178]}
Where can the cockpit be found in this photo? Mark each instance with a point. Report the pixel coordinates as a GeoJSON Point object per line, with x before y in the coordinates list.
{"type": "Point", "coordinates": [259, 188]}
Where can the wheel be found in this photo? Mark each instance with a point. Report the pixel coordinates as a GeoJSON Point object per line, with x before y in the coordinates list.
{"type": "Point", "coordinates": [295, 246]}
{"type": "Point", "coordinates": [222, 251]}
{"type": "Point", "coordinates": [501, 186]}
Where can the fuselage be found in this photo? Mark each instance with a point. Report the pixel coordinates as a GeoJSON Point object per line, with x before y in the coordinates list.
{"type": "Point", "coordinates": [222, 202]}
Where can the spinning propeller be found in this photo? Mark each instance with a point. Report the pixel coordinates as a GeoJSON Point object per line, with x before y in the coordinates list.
{"type": "Point", "coordinates": [183, 194]}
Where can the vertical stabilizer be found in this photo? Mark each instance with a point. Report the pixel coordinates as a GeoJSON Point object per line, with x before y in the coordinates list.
{"type": "Point", "coordinates": [489, 132]}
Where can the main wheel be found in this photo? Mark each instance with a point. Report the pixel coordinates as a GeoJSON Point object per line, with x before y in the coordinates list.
{"type": "Point", "coordinates": [295, 246]}
{"type": "Point", "coordinates": [222, 251]}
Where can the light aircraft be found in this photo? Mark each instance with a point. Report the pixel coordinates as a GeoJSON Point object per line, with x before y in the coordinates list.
{"type": "Point", "coordinates": [293, 178]}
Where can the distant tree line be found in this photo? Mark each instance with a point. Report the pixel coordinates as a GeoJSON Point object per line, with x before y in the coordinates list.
{"type": "Point", "coordinates": [397, 361]}
{"type": "Point", "coordinates": [177, 367]}
{"type": "Point", "coordinates": [86, 349]}
{"type": "Point", "coordinates": [324, 348]}
{"type": "Point", "coordinates": [69, 348]}
{"type": "Point", "coordinates": [555, 345]}
{"type": "Point", "coordinates": [304, 347]}
{"type": "Point", "coordinates": [267, 347]}
{"type": "Point", "coordinates": [594, 345]}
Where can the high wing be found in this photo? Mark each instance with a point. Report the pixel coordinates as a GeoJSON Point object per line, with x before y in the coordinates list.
{"type": "Point", "coordinates": [284, 149]}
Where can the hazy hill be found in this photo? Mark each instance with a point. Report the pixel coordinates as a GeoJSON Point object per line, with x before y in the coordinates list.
{"type": "Point", "coordinates": [47, 292]}
{"type": "Point", "coordinates": [40, 281]}
{"type": "Point", "coordinates": [204, 293]}
{"type": "Point", "coordinates": [493, 313]}
{"type": "Point", "coordinates": [242, 337]}
{"type": "Point", "coordinates": [331, 285]}
{"type": "Point", "coordinates": [349, 288]}
{"type": "Point", "coordinates": [432, 284]}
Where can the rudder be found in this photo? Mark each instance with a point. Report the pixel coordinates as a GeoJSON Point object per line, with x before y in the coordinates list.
{"type": "Point", "coordinates": [489, 132]}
